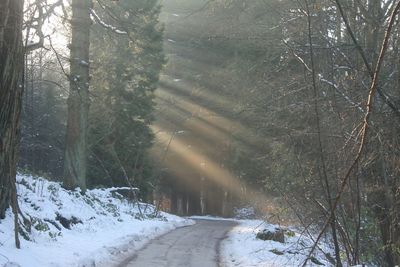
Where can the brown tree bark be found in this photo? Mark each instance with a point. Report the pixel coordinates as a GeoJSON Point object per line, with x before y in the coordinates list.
{"type": "Point", "coordinates": [78, 100]}
{"type": "Point", "coordinates": [11, 69]}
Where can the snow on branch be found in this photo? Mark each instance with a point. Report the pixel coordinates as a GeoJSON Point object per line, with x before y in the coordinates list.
{"type": "Point", "coordinates": [112, 28]}
{"type": "Point", "coordinates": [330, 83]}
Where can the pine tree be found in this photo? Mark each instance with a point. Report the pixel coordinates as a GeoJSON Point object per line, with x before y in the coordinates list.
{"type": "Point", "coordinates": [126, 72]}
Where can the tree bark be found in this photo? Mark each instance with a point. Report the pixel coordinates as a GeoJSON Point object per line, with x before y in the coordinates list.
{"type": "Point", "coordinates": [78, 100]}
{"type": "Point", "coordinates": [11, 69]}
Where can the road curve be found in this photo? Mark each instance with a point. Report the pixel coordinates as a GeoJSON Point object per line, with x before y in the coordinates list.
{"type": "Point", "coordinates": [191, 246]}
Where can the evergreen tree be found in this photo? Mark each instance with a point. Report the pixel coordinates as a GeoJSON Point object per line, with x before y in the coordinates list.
{"type": "Point", "coordinates": [125, 74]}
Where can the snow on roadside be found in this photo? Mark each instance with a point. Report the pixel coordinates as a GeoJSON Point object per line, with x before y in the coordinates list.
{"type": "Point", "coordinates": [104, 227]}
{"type": "Point", "coordinates": [242, 249]}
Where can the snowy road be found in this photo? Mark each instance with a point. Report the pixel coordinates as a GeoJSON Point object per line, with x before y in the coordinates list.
{"type": "Point", "coordinates": [191, 246]}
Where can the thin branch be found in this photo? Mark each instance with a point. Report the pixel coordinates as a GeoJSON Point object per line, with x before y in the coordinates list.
{"type": "Point", "coordinates": [365, 128]}
{"type": "Point", "coordinates": [198, 10]}
{"type": "Point", "coordinates": [105, 25]}
{"type": "Point", "coordinates": [58, 59]}
{"type": "Point", "coordinates": [324, 175]}
{"type": "Point", "coordinates": [385, 98]}
{"type": "Point", "coordinates": [322, 79]}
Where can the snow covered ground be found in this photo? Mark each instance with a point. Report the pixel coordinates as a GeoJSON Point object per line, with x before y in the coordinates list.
{"type": "Point", "coordinates": [104, 227]}
{"type": "Point", "coordinates": [101, 228]}
{"type": "Point", "coordinates": [243, 249]}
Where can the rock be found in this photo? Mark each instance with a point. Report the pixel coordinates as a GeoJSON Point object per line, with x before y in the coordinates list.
{"type": "Point", "coordinates": [278, 235]}
{"type": "Point", "coordinates": [67, 223]}
{"type": "Point", "coordinates": [244, 213]}
{"type": "Point", "coordinates": [277, 252]}
{"type": "Point", "coordinates": [316, 261]}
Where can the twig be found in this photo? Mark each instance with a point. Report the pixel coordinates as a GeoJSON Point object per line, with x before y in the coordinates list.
{"type": "Point", "coordinates": [364, 57]}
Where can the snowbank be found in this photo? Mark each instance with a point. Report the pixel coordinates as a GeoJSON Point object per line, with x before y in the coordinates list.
{"type": "Point", "coordinates": [100, 228]}
{"type": "Point", "coordinates": [243, 249]}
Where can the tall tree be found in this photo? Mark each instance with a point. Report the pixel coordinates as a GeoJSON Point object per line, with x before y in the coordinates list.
{"type": "Point", "coordinates": [127, 66]}
{"type": "Point", "coordinates": [268, 61]}
{"type": "Point", "coordinates": [11, 68]}
{"type": "Point", "coordinates": [43, 117]}
{"type": "Point", "coordinates": [78, 100]}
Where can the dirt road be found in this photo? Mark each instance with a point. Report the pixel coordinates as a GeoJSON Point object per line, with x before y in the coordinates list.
{"type": "Point", "coordinates": [192, 246]}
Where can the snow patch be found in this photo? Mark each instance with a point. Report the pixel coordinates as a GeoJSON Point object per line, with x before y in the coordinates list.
{"type": "Point", "coordinates": [243, 249]}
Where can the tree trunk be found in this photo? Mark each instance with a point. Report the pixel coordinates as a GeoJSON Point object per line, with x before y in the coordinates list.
{"type": "Point", "coordinates": [11, 68]}
{"type": "Point", "coordinates": [78, 100]}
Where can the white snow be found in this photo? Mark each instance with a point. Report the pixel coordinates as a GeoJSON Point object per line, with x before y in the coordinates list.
{"type": "Point", "coordinates": [111, 227]}
{"type": "Point", "coordinates": [97, 19]}
{"type": "Point", "coordinates": [243, 249]}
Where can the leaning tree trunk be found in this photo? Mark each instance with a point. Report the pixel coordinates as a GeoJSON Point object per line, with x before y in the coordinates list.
{"type": "Point", "coordinates": [78, 100]}
{"type": "Point", "coordinates": [11, 68]}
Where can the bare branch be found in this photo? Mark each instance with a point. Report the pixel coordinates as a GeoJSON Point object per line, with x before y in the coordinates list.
{"type": "Point", "coordinates": [385, 98]}
{"type": "Point", "coordinates": [365, 128]}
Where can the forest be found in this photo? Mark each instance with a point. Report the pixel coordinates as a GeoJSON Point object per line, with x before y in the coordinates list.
{"type": "Point", "coordinates": [202, 107]}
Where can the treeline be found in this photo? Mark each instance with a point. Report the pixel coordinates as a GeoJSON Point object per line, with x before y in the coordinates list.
{"type": "Point", "coordinates": [89, 70]}
{"type": "Point", "coordinates": [124, 69]}
{"type": "Point", "coordinates": [304, 76]}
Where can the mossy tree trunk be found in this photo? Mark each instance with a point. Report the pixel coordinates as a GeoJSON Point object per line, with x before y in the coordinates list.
{"type": "Point", "coordinates": [78, 100]}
